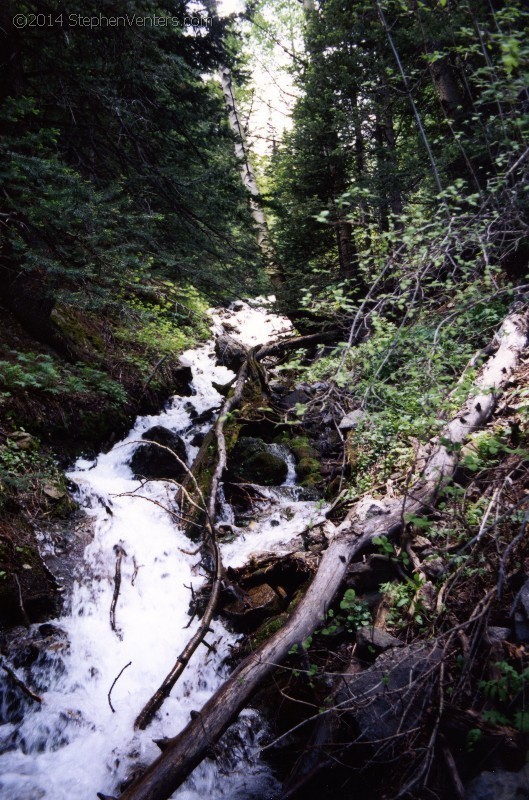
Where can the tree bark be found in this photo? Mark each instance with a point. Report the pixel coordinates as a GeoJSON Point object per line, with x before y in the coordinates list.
{"type": "Point", "coordinates": [249, 180]}
{"type": "Point", "coordinates": [185, 751]}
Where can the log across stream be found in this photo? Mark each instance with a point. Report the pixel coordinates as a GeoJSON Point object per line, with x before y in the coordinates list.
{"type": "Point", "coordinates": [72, 744]}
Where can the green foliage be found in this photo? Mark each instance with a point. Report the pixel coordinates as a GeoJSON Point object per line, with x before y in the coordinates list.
{"type": "Point", "coordinates": [354, 614]}
{"type": "Point", "coordinates": [403, 376]}
{"type": "Point", "coordinates": [374, 188]}
{"type": "Point", "coordinates": [120, 166]}
{"type": "Point", "coordinates": [41, 372]}
{"type": "Point", "coordinates": [386, 548]}
{"type": "Point", "coordinates": [29, 476]}
{"type": "Point", "coordinates": [506, 690]}
{"type": "Point", "coordinates": [400, 597]}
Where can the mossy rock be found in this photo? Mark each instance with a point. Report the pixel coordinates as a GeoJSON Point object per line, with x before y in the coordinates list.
{"type": "Point", "coordinates": [251, 462]}
{"type": "Point", "coordinates": [266, 630]}
{"type": "Point", "coordinates": [308, 468]}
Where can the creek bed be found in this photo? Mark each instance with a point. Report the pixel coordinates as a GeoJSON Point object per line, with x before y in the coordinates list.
{"type": "Point", "coordinates": [73, 745]}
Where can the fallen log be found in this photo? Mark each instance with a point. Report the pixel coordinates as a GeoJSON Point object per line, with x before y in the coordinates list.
{"type": "Point", "coordinates": [186, 750]}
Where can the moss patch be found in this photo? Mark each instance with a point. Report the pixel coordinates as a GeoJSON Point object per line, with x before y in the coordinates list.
{"type": "Point", "coordinates": [308, 468]}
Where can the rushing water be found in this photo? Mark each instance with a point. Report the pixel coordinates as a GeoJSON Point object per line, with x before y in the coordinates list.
{"type": "Point", "coordinates": [73, 745]}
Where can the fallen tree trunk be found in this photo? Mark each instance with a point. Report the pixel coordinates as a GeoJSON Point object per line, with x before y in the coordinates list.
{"type": "Point", "coordinates": [185, 751]}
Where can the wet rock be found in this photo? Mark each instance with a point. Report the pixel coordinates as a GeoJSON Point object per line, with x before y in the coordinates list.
{"type": "Point", "coordinates": [191, 410]}
{"type": "Point", "coordinates": [251, 462]}
{"type": "Point", "coordinates": [299, 396]}
{"type": "Point", "coordinates": [230, 353]}
{"type": "Point", "coordinates": [257, 603]}
{"type": "Point", "coordinates": [197, 439]}
{"type": "Point", "coordinates": [153, 462]}
{"type": "Point", "coordinates": [352, 420]}
{"type": "Point", "coordinates": [181, 379]}
{"type": "Point", "coordinates": [308, 467]}
{"type": "Point", "coordinates": [500, 785]}
{"type": "Point", "coordinates": [28, 591]}
{"type": "Point", "coordinates": [222, 388]}
{"type": "Point", "coordinates": [375, 638]}
{"type": "Point", "coordinates": [206, 416]}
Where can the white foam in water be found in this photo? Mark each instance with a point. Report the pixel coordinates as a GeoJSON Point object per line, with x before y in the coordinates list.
{"type": "Point", "coordinates": [74, 745]}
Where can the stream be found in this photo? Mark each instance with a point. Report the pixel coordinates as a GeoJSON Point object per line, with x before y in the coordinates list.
{"type": "Point", "coordinates": [72, 745]}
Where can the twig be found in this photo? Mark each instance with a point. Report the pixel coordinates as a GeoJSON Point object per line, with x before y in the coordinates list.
{"type": "Point", "coordinates": [136, 568]}
{"type": "Point", "coordinates": [119, 551]}
{"type": "Point", "coordinates": [116, 679]}
{"type": "Point", "coordinates": [23, 611]}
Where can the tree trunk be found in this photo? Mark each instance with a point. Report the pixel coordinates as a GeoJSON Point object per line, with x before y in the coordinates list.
{"type": "Point", "coordinates": [184, 752]}
{"type": "Point", "coordinates": [249, 181]}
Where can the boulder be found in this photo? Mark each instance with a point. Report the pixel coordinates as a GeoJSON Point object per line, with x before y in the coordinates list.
{"type": "Point", "coordinates": [230, 353]}
{"type": "Point", "coordinates": [222, 388]}
{"type": "Point", "coordinates": [521, 614]}
{"type": "Point", "coordinates": [155, 463]}
{"type": "Point", "coordinates": [251, 462]}
{"type": "Point", "coordinates": [390, 698]}
{"type": "Point", "coordinates": [494, 634]}
{"type": "Point", "coordinates": [253, 607]}
{"type": "Point", "coordinates": [369, 507]}
{"type": "Point", "coordinates": [500, 785]}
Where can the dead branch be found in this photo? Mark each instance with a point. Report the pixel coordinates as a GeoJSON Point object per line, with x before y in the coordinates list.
{"type": "Point", "coordinates": [157, 699]}
{"type": "Point", "coordinates": [116, 679]}
{"type": "Point", "coordinates": [256, 354]}
{"type": "Point", "coordinates": [185, 751]}
{"type": "Point", "coordinates": [119, 551]}
{"type": "Point", "coordinates": [21, 685]}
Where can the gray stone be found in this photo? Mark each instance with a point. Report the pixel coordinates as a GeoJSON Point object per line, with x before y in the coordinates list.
{"type": "Point", "coordinates": [495, 634]}
{"type": "Point", "coordinates": [500, 785]}
{"type": "Point", "coordinates": [299, 396]}
{"type": "Point", "coordinates": [521, 616]}
{"type": "Point", "coordinates": [523, 599]}
{"type": "Point", "coordinates": [392, 696]}
{"type": "Point", "coordinates": [371, 637]}
{"type": "Point", "coordinates": [352, 420]}
{"type": "Point", "coordinates": [230, 353]}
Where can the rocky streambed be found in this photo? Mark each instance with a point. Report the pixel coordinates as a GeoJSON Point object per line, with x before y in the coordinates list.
{"type": "Point", "coordinates": [92, 670]}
